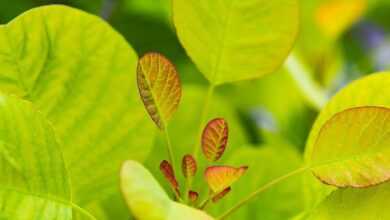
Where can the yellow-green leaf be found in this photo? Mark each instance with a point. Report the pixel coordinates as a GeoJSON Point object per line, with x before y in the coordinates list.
{"type": "Point", "coordinates": [355, 204]}
{"type": "Point", "coordinates": [231, 40]}
{"type": "Point", "coordinates": [34, 182]}
{"type": "Point", "coordinates": [159, 87]}
{"type": "Point", "coordinates": [371, 90]}
{"type": "Point", "coordinates": [221, 177]}
{"type": "Point", "coordinates": [80, 73]}
{"type": "Point", "coordinates": [148, 201]}
{"type": "Point", "coordinates": [352, 148]}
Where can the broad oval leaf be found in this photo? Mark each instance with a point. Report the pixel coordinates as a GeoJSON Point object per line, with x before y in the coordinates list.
{"type": "Point", "coordinates": [221, 177]}
{"type": "Point", "coordinates": [80, 73]}
{"type": "Point", "coordinates": [159, 87]}
{"type": "Point", "coordinates": [214, 139]}
{"type": "Point", "coordinates": [34, 182]}
{"type": "Point", "coordinates": [189, 166]}
{"type": "Point", "coordinates": [371, 90]}
{"type": "Point", "coordinates": [352, 148]}
{"type": "Point", "coordinates": [144, 196]}
{"type": "Point", "coordinates": [236, 40]}
{"type": "Point", "coordinates": [148, 201]}
{"type": "Point", "coordinates": [355, 204]}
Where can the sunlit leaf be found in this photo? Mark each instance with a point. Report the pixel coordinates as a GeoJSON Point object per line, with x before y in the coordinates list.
{"type": "Point", "coordinates": [80, 73]}
{"type": "Point", "coordinates": [229, 41]}
{"type": "Point", "coordinates": [215, 138]}
{"type": "Point", "coordinates": [220, 195]}
{"type": "Point", "coordinates": [159, 87]}
{"type": "Point", "coordinates": [352, 148]}
{"type": "Point", "coordinates": [367, 91]}
{"type": "Point", "coordinates": [34, 179]}
{"type": "Point", "coordinates": [189, 166]}
{"type": "Point", "coordinates": [193, 196]}
{"type": "Point", "coordinates": [148, 201]}
{"type": "Point", "coordinates": [355, 204]}
{"type": "Point", "coordinates": [167, 170]}
{"type": "Point", "coordinates": [221, 177]}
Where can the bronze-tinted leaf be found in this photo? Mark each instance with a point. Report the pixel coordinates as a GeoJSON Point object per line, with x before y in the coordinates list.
{"type": "Point", "coordinates": [167, 170]}
{"type": "Point", "coordinates": [221, 177]}
{"type": "Point", "coordinates": [220, 195]}
{"type": "Point", "coordinates": [159, 87]}
{"type": "Point", "coordinates": [214, 139]}
{"type": "Point", "coordinates": [193, 196]}
{"type": "Point", "coordinates": [189, 166]}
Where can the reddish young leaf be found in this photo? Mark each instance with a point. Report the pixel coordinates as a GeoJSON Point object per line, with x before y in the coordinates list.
{"type": "Point", "coordinates": [189, 166]}
{"type": "Point", "coordinates": [214, 139]}
{"type": "Point", "coordinates": [159, 87]}
{"type": "Point", "coordinates": [220, 195]}
{"type": "Point", "coordinates": [167, 170]}
{"type": "Point", "coordinates": [193, 196]}
{"type": "Point", "coordinates": [221, 177]}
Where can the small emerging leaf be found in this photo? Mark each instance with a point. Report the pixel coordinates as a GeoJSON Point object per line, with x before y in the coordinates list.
{"type": "Point", "coordinates": [189, 166]}
{"type": "Point", "coordinates": [214, 139]}
{"type": "Point", "coordinates": [159, 87]}
{"type": "Point", "coordinates": [193, 196]}
{"type": "Point", "coordinates": [221, 177]}
{"type": "Point", "coordinates": [220, 195]}
{"type": "Point", "coordinates": [167, 170]}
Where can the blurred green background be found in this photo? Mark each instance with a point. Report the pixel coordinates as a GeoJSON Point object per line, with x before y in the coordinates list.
{"type": "Point", "coordinates": [339, 41]}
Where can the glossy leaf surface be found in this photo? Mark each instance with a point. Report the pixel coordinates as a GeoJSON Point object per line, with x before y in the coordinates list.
{"type": "Point", "coordinates": [159, 87]}
{"type": "Point", "coordinates": [229, 41]}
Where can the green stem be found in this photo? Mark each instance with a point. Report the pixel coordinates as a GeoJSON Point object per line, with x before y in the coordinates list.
{"type": "Point", "coordinates": [82, 211]}
{"type": "Point", "coordinates": [310, 89]}
{"type": "Point", "coordinates": [170, 149]}
{"type": "Point", "coordinates": [203, 118]}
{"type": "Point", "coordinates": [260, 190]}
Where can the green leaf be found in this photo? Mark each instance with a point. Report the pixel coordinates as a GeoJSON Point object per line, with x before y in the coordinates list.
{"type": "Point", "coordinates": [34, 182]}
{"type": "Point", "coordinates": [355, 204]}
{"type": "Point", "coordinates": [229, 41]}
{"type": "Point", "coordinates": [80, 73]}
{"type": "Point", "coordinates": [159, 87]}
{"type": "Point", "coordinates": [265, 163]}
{"type": "Point", "coordinates": [148, 201]}
{"type": "Point", "coordinates": [352, 148]}
{"type": "Point", "coordinates": [367, 91]}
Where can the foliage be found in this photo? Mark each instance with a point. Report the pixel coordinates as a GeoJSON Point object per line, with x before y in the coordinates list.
{"type": "Point", "coordinates": [78, 142]}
